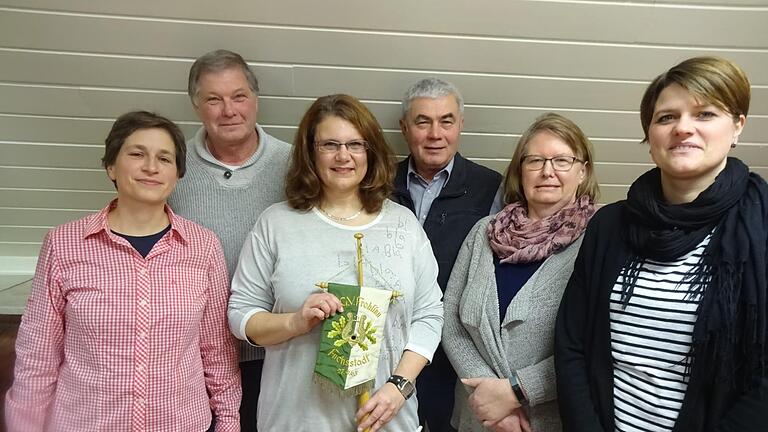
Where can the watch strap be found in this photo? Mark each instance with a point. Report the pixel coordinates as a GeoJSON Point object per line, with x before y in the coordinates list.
{"type": "Point", "coordinates": [518, 389]}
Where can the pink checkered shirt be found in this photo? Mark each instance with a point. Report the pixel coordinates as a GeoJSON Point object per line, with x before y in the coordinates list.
{"type": "Point", "coordinates": [112, 341]}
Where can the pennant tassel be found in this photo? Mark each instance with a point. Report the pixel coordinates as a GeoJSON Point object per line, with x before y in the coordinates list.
{"type": "Point", "coordinates": [331, 387]}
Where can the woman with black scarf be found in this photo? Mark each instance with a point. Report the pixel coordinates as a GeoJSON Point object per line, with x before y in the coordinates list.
{"type": "Point", "coordinates": [663, 324]}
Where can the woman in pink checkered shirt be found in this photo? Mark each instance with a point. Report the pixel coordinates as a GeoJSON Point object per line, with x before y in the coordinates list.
{"type": "Point", "coordinates": [125, 328]}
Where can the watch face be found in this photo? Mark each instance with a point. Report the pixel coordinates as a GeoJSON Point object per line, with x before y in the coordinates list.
{"type": "Point", "coordinates": [404, 385]}
{"type": "Point", "coordinates": [407, 388]}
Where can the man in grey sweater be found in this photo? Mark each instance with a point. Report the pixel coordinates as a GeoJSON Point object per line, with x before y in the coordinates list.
{"type": "Point", "coordinates": [235, 170]}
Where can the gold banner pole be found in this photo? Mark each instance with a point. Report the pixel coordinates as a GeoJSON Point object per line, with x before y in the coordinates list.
{"type": "Point", "coordinates": [364, 396]}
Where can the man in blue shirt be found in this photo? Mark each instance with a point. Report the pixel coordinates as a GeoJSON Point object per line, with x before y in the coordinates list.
{"type": "Point", "coordinates": [448, 194]}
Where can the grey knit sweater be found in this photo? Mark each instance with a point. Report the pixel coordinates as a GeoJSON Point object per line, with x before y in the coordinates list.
{"type": "Point", "coordinates": [229, 204]}
{"type": "Point", "coordinates": [480, 344]}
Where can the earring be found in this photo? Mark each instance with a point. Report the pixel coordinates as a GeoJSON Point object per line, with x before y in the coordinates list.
{"type": "Point", "coordinates": [735, 141]}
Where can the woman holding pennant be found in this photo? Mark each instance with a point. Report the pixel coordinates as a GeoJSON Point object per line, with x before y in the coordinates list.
{"type": "Point", "coordinates": [337, 187]}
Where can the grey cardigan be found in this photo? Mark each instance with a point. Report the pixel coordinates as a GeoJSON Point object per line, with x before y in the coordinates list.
{"type": "Point", "coordinates": [478, 346]}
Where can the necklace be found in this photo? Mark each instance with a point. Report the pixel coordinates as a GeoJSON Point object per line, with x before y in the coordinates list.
{"type": "Point", "coordinates": [340, 219]}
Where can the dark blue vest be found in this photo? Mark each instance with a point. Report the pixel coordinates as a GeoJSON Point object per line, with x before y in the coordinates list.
{"type": "Point", "coordinates": [465, 199]}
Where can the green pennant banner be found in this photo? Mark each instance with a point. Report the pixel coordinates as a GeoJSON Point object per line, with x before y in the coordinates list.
{"type": "Point", "coordinates": [350, 342]}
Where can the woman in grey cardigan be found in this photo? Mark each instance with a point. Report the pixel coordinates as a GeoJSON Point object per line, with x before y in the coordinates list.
{"type": "Point", "coordinates": [505, 289]}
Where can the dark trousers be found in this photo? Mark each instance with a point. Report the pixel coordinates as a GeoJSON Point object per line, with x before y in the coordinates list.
{"type": "Point", "coordinates": [250, 374]}
{"type": "Point", "coordinates": [435, 388]}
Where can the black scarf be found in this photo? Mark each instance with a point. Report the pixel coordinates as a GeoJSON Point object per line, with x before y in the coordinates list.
{"type": "Point", "coordinates": [730, 332]}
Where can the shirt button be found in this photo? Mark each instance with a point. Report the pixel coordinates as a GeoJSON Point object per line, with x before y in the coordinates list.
{"type": "Point", "coordinates": [140, 401]}
{"type": "Point", "coordinates": [143, 272]}
{"type": "Point", "coordinates": [142, 302]}
{"type": "Point", "coordinates": [142, 335]}
{"type": "Point", "coordinates": [140, 368]}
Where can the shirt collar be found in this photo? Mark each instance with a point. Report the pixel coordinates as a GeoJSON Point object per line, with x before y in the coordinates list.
{"type": "Point", "coordinates": [448, 169]}
{"type": "Point", "coordinates": [202, 149]}
{"type": "Point", "coordinates": [98, 222]}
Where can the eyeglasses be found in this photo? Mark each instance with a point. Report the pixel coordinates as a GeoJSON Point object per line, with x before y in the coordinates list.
{"type": "Point", "coordinates": [559, 163]}
{"type": "Point", "coordinates": [333, 146]}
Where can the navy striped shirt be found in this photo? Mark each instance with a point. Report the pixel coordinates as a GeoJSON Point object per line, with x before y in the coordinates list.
{"type": "Point", "coordinates": [651, 341]}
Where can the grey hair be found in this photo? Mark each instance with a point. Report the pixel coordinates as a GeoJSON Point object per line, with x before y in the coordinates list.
{"type": "Point", "coordinates": [432, 88]}
{"type": "Point", "coordinates": [217, 61]}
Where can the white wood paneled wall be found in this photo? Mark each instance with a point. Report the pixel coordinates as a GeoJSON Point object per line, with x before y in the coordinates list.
{"type": "Point", "coordinates": [68, 68]}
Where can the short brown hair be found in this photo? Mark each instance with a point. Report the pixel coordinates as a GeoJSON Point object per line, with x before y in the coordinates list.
{"type": "Point", "coordinates": [572, 135]}
{"type": "Point", "coordinates": [303, 186]}
{"type": "Point", "coordinates": [217, 61]}
{"type": "Point", "coordinates": [128, 123]}
{"type": "Point", "coordinates": [713, 80]}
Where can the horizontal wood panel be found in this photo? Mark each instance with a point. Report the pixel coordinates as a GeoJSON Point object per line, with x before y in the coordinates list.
{"type": "Point", "coordinates": [63, 130]}
{"type": "Point", "coordinates": [288, 111]}
{"type": "Point", "coordinates": [520, 91]}
{"type": "Point", "coordinates": [76, 200]}
{"type": "Point", "coordinates": [279, 80]}
{"type": "Point", "coordinates": [52, 178]}
{"type": "Point", "coordinates": [394, 50]}
{"type": "Point", "coordinates": [21, 234]}
{"type": "Point", "coordinates": [164, 74]}
{"type": "Point", "coordinates": [120, 72]}
{"type": "Point", "coordinates": [39, 217]}
{"type": "Point", "coordinates": [634, 22]}
{"type": "Point", "coordinates": [91, 102]}
{"type": "Point", "coordinates": [612, 193]}
{"type": "Point", "coordinates": [475, 88]}
{"type": "Point", "coordinates": [716, 3]}
{"type": "Point", "coordinates": [51, 155]}
{"type": "Point", "coordinates": [8, 281]}
{"type": "Point", "coordinates": [20, 249]}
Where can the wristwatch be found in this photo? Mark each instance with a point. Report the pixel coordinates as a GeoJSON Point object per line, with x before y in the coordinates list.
{"type": "Point", "coordinates": [517, 389]}
{"type": "Point", "coordinates": [403, 384]}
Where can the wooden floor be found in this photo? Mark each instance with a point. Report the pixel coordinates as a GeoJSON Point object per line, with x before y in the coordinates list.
{"type": "Point", "coordinates": [9, 326]}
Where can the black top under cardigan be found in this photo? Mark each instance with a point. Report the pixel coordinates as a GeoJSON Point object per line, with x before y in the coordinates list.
{"type": "Point", "coordinates": [583, 359]}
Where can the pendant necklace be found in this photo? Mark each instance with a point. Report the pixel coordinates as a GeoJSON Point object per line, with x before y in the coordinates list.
{"type": "Point", "coordinates": [341, 219]}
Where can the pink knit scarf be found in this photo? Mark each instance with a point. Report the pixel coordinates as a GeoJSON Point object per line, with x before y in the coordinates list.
{"type": "Point", "coordinates": [517, 239]}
